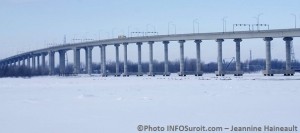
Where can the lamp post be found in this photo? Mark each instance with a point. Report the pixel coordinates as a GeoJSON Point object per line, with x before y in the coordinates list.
{"type": "Point", "coordinates": [128, 31]}
{"type": "Point", "coordinates": [169, 27]}
{"type": "Point", "coordinates": [147, 28]}
{"type": "Point", "coordinates": [257, 19]}
{"type": "Point", "coordinates": [224, 23]}
{"type": "Point", "coordinates": [197, 22]}
{"type": "Point", "coordinates": [112, 32]}
{"type": "Point", "coordinates": [295, 16]}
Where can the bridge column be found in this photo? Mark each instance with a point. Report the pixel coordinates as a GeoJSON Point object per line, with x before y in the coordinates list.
{"type": "Point", "coordinates": [15, 63]}
{"type": "Point", "coordinates": [51, 62]}
{"type": "Point", "coordinates": [38, 61]}
{"type": "Point", "coordinates": [62, 62]}
{"type": "Point", "coordinates": [23, 61]}
{"type": "Point", "coordinates": [19, 62]}
{"type": "Point", "coordinates": [103, 62]}
{"type": "Point", "coordinates": [76, 52]}
{"type": "Point", "coordinates": [33, 62]}
{"type": "Point", "coordinates": [151, 73]}
{"type": "Point", "coordinates": [28, 61]}
{"type": "Point", "coordinates": [238, 57]}
{"type": "Point", "coordinates": [117, 74]}
{"type": "Point", "coordinates": [89, 60]}
{"type": "Point", "coordinates": [86, 60]}
{"type": "Point", "coordinates": [181, 73]}
{"type": "Point", "coordinates": [166, 62]}
{"type": "Point", "coordinates": [198, 55]}
{"type": "Point", "coordinates": [139, 73]}
{"type": "Point", "coordinates": [268, 71]}
{"type": "Point", "coordinates": [44, 61]}
{"type": "Point", "coordinates": [220, 71]}
{"type": "Point", "coordinates": [288, 66]}
{"type": "Point", "coordinates": [125, 74]}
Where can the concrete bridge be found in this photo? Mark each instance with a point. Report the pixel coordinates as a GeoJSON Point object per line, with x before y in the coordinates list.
{"type": "Point", "coordinates": [33, 57]}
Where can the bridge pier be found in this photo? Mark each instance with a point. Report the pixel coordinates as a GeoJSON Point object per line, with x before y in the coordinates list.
{"type": "Point", "coordinates": [62, 63]}
{"type": "Point", "coordinates": [23, 61]}
{"type": "Point", "coordinates": [33, 62]}
{"type": "Point", "coordinates": [268, 71]}
{"type": "Point", "coordinates": [288, 66]}
{"type": "Point", "coordinates": [181, 73]}
{"type": "Point", "coordinates": [166, 62]}
{"type": "Point", "coordinates": [28, 61]}
{"type": "Point", "coordinates": [86, 60]}
{"type": "Point", "coordinates": [238, 71]}
{"type": "Point", "coordinates": [139, 73]}
{"type": "Point", "coordinates": [19, 62]}
{"type": "Point", "coordinates": [44, 61]}
{"type": "Point", "coordinates": [117, 74]}
{"type": "Point", "coordinates": [198, 61]}
{"type": "Point", "coordinates": [125, 73]}
{"type": "Point", "coordinates": [51, 62]}
{"type": "Point", "coordinates": [38, 61]}
{"type": "Point", "coordinates": [89, 60]}
{"type": "Point", "coordinates": [151, 73]}
{"type": "Point", "coordinates": [220, 71]}
{"type": "Point", "coordinates": [76, 56]}
{"type": "Point", "coordinates": [103, 60]}
{"type": "Point", "coordinates": [15, 63]}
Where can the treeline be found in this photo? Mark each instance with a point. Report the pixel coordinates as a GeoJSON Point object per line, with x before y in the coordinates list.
{"type": "Point", "coordinates": [190, 65]}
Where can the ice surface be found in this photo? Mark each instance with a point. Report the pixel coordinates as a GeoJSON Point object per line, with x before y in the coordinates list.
{"type": "Point", "coordinates": [95, 104]}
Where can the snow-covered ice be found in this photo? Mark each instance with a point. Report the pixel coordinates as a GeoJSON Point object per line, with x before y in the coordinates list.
{"type": "Point", "coordinates": [96, 104]}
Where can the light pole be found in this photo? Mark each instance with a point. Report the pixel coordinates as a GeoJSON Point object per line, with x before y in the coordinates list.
{"type": "Point", "coordinates": [112, 32]}
{"type": "Point", "coordinates": [295, 19]}
{"type": "Point", "coordinates": [174, 27]}
{"type": "Point", "coordinates": [195, 21]}
{"type": "Point", "coordinates": [257, 19]}
{"type": "Point", "coordinates": [147, 28]}
{"type": "Point", "coordinates": [128, 30]}
{"type": "Point", "coordinates": [169, 27]}
{"type": "Point", "coordinates": [99, 34]}
{"type": "Point", "coordinates": [224, 23]}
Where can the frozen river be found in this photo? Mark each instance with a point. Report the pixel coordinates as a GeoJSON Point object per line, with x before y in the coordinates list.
{"type": "Point", "coordinates": [95, 104]}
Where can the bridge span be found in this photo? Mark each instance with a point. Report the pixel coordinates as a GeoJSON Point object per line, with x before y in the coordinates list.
{"type": "Point", "coordinates": [33, 57]}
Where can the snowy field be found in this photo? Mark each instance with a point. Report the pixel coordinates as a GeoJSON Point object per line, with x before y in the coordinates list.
{"type": "Point", "coordinates": [95, 104]}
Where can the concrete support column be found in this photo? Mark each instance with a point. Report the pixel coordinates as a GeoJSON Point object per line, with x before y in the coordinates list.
{"type": "Point", "coordinates": [268, 56]}
{"type": "Point", "coordinates": [86, 60]}
{"type": "Point", "coordinates": [166, 62]}
{"type": "Point", "coordinates": [78, 60]}
{"type": "Point", "coordinates": [89, 60]}
{"type": "Point", "coordinates": [44, 61]}
{"type": "Point", "coordinates": [28, 61]}
{"type": "Point", "coordinates": [125, 74]}
{"type": "Point", "coordinates": [238, 57]}
{"type": "Point", "coordinates": [51, 62]}
{"type": "Point", "coordinates": [288, 65]}
{"type": "Point", "coordinates": [198, 61]}
{"type": "Point", "coordinates": [33, 62]}
{"type": "Point", "coordinates": [139, 73]}
{"type": "Point", "coordinates": [103, 62]}
{"type": "Point", "coordinates": [220, 71]}
{"type": "Point", "coordinates": [19, 62]}
{"type": "Point", "coordinates": [38, 61]}
{"type": "Point", "coordinates": [117, 60]}
{"type": "Point", "coordinates": [181, 73]}
{"type": "Point", "coordinates": [151, 73]}
{"type": "Point", "coordinates": [23, 61]}
{"type": "Point", "coordinates": [62, 62]}
{"type": "Point", "coordinates": [75, 62]}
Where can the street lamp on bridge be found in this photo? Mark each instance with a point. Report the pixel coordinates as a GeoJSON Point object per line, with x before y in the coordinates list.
{"type": "Point", "coordinates": [295, 16]}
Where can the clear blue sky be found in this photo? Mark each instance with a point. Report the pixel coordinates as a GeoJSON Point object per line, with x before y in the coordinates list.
{"type": "Point", "coordinates": [30, 24]}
